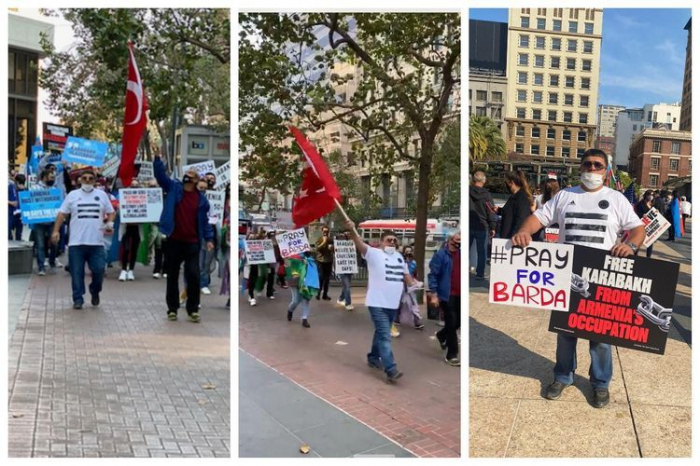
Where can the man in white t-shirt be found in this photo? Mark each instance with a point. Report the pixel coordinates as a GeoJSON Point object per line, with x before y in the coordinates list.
{"type": "Point", "coordinates": [387, 273]}
{"type": "Point", "coordinates": [588, 215]}
{"type": "Point", "coordinates": [88, 208]}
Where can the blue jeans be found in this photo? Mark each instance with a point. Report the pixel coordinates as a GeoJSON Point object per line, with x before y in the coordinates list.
{"type": "Point", "coordinates": [345, 279]}
{"type": "Point", "coordinates": [42, 232]}
{"type": "Point", "coordinates": [95, 258]}
{"type": "Point", "coordinates": [482, 245]}
{"type": "Point", "coordinates": [297, 299]}
{"type": "Point", "coordinates": [381, 343]}
{"type": "Point", "coordinates": [601, 368]}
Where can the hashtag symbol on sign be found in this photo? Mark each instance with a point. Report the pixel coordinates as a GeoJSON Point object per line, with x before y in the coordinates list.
{"type": "Point", "coordinates": [499, 256]}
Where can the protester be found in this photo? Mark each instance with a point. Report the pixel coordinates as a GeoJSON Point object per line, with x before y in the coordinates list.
{"type": "Point", "coordinates": [271, 271]}
{"type": "Point", "coordinates": [641, 208]}
{"type": "Point", "coordinates": [613, 213]}
{"type": "Point", "coordinates": [206, 257]}
{"type": "Point", "coordinates": [14, 218]}
{"type": "Point", "coordinates": [482, 224]}
{"type": "Point", "coordinates": [129, 240]}
{"type": "Point", "coordinates": [324, 256]}
{"type": "Point", "coordinates": [225, 249]}
{"type": "Point", "coordinates": [686, 209]}
{"type": "Point", "coordinates": [303, 277]}
{"type": "Point", "coordinates": [518, 206]}
{"type": "Point", "coordinates": [185, 222]}
{"type": "Point", "coordinates": [551, 187]}
{"type": "Point", "coordinates": [41, 232]}
{"type": "Point", "coordinates": [444, 289]}
{"type": "Point", "coordinates": [87, 208]}
{"type": "Point", "coordinates": [409, 302]}
{"type": "Point", "coordinates": [387, 272]}
{"type": "Point", "coordinates": [673, 215]}
{"type": "Point", "coordinates": [345, 299]}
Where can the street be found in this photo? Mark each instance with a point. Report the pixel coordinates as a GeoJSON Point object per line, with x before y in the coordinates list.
{"type": "Point", "coordinates": [359, 412]}
{"type": "Point", "coordinates": [118, 380]}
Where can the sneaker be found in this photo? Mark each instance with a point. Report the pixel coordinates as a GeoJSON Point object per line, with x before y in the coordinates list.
{"type": "Point", "coordinates": [374, 365]}
{"type": "Point", "coordinates": [397, 322]}
{"type": "Point", "coordinates": [395, 332]}
{"type": "Point", "coordinates": [271, 297]}
{"type": "Point", "coordinates": [253, 302]}
{"type": "Point", "coordinates": [554, 390]}
{"type": "Point", "coordinates": [130, 275]}
{"type": "Point", "coordinates": [156, 275]}
{"type": "Point", "coordinates": [77, 305]}
{"type": "Point", "coordinates": [58, 263]}
{"type": "Point", "coordinates": [340, 303]}
{"type": "Point", "coordinates": [394, 376]}
{"type": "Point", "coordinates": [165, 275]}
{"type": "Point", "coordinates": [327, 298]}
{"type": "Point", "coordinates": [95, 300]}
{"type": "Point", "coordinates": [172, 315]}
{"type": "Point", "coordinates": [41, 273]}
{"type": "Point", "coordinates": [419, 326]}
{"type": "Point", "coordinates": [194, 317]}
{"type": "Point", "coordinates": [284, 287]}
{"type": "Point", "coordinates": [443, 343]}
{"type": "Point", "coordinates": [289, 316]}
{"type": "Point", "coordinates": [601, 397]}
{"type": "Point", "coordinates": [349, 307]}
{"type": "Point", "coordinates": [122, 276]}
{"type": "Point", "coordinates": [481, 277]}
{"type": "Point", "coordinates": [206, 290]}
{"type": "Point", "coordinates": [305, 323]}
{"type": "Point", "coordinates": [452, 361]}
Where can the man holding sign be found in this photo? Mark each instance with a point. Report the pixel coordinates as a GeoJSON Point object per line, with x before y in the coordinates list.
{"type": "Point", "coordinates": [588, 215]}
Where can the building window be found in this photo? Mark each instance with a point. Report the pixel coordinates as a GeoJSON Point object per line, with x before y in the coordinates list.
{"type": "Point", "coordinates": [671, 177]}
{"type": "Point", "coordinates": [553, 98]}
{"type": "Point", "coordinates": [653, 180]}
{"type": "Point", "coordinates": [480, 111]}
{"type": "Point", "coordinates": [573, 26]}
{"type": "Point", "coordinates": [552, 115]}
{"type": "Point", "coordinates": [522, 95]}
{"type": "Point", "coordinates": [520, 130]}
{"type": "Point", "coordinates": [586, 65]}
{"type": "Point", "coordinates": [673, 165]}
{"type": "Point", "coordinates": [566, 135]}
{"type": "Point", "coordinates": [536, 114]}
{"type": "Point", "coordinates": [551, 133]}
{"type": "Point", "coordinates": [655, 163]}
{"type": "Point", "coordinates": [570, 82]}
{"type": "Point", "coordinates": [571, 45]}
{"type": "Point", "coordinates": [586, 83]}
{"type": "Point", "coordinates": [589, 28]}
{"type": "Point", "coordinates": [481, 95]}
{"type": "Point", "coordinates": [519, 148]}
{"type": "Point", "coordinates": [524, 40]}
{"type": "Point", "coordinates": [539, 79]}
{"type": "Point", "coordinates": [634, 128]}
{"type": "Point", "coordinates": [568, 99]}
{"type": "Point", "coordinates": [524, 22]}
{"type": "Point", "coordinates": [565, 151]}
{"type": "Point", "coordinates": [587, 46]}
{"type": "Point", "coordinates": [497, 113]}
{"type": "Point", "coordinates": [539, 61]}
{"type": "Point", "coordinates": [556, 44]}
{"type": "Point", "coordinates": [656, 146]}
{"type": "Point", "coordinates": [541, 23]}
{"type": "Point", "coordinates": [556, 25]}
{"type": "Point", "coordinates": [580, 152]}
{"type": "Point", "coordinates": [537, 97]}
{"type": "Point", "coordinates": [554, 63]}
{"type": "Point", "coordinates": [675, 147]}
{"type": "Point", "coordinates": [550, 151]}
{"type": "Point", "coordinates": [535, 149]}
{"type": "Point", "coordinates": [522, 77]}
{"type": "Point", "coordinates": [583, 118]}
{"type": "Point", "coordinates": [554, 80]}
{"type": "Point", "coordinates": [535, 132]}
{"type": "Point", "coordinates": [583, 101]}
{"type": "Point", "coordinates": [570, 63]}
{"type": "Point", "coordinates": [581, 136]}
{"type": "Point", "coordinates": [522, 59]}
{"type": "Point", "coordinates": [520, 113]}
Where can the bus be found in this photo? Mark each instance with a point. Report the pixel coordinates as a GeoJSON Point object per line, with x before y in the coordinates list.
{"type": "Point", "coordinates": [371, 231]}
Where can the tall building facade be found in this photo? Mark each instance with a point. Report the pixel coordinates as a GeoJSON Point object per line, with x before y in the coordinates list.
{"type": "Point", "coordinates": [553, 75]}
{"type": "Point", "coordinates": [605, 133]}
{"type": "Point", "coordinates": [488, 85]}
{"type": "Point", "coordinates": [631, 122]}
{"type": "Point", "coordinates": [658, 156]}
{"type": "Point", "coordinates": [687, 99]}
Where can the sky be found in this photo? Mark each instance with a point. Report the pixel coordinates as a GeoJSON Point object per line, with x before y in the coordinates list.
{"type": "Point", "coordinates": [643, 53]}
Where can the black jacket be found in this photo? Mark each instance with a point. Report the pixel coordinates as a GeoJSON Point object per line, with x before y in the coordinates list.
{"type": "Point", "coordinates": [480, 203]}
{"type": "Point", "coordinates": [514, 213]}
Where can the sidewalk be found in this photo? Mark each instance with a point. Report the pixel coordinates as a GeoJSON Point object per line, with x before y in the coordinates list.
{"type": "Point", "coordinates": [511, 360]}
{"type": "Point", "coordinates": [119, 380]}
{"type": "Point", "coordinates": [421, 412]}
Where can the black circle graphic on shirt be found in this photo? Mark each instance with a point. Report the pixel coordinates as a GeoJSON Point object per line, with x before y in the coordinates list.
{"type": "Point", "coordinates": [603, 204]}
{"type": "Point", "coordinates": [97, 198]}
{"type": "Point", "coordinates": [400, 261]}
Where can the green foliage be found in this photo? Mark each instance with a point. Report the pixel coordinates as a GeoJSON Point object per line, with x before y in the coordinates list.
{"type": "Point", "coordinates": [445, 176]}
{"type": "Point", "coordinates": [485, 139]}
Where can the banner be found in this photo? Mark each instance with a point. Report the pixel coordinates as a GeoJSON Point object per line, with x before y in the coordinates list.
{"type": "Point", "coordinates": [55, 137]}
{"type": "Point", "coordinates": [625, 302]}
{"type": "Point", "coordinates": [201, 168]}
{"type": "Point", "coordinates": [293, 242]}
{"type": "Point", "coordinates": [223, 176]}
{"type": "Point", "coordinates": [85, 151]}
{"type": "Point", "coordinates": [537, 276]}
{"type": "Point", "coordinates": [259, 251]}
{"type": "Point", "coordinates": [145, 172]}
{"type": "Point", "coordinates": [216, 206]}
{"type": "Point", "coordinates": [345, 256]}
{"type": "Point", "coordinates": [140, 205]}
{"type": "Point", "coordinates": [655, 225]}
{"type": "Point", "coordinates": [40, 206]}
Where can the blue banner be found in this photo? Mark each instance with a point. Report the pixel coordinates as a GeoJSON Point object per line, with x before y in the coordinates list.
{"type": "Point", "coordinates": [40, 206]}
{"type": "Point", "coordinates": [85, 151]}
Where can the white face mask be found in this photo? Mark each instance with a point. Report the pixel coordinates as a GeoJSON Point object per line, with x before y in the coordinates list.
{"type": "Point", "coordinates": [592, 180]}
{"type": "Point", "coordinates": [390, 250]}
{"type": "Point", "coordinates": [87, 188]}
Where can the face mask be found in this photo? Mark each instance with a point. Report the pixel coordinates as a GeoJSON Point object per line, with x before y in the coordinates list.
{"type": "Point", "coordinates": [211, 184]}
{"type": "Point", "coordinates": [390, 250]}
{"type": "Point", "coordinates": [187, 179]}
{"type": "Point", "coordinates": [50, 182]}
{"type": "Point", "coordinates": [457, 245]}
{"type": "Point", "coordinates": [87, 188]}
{"type": "Point", "coordinates": [592, 180]}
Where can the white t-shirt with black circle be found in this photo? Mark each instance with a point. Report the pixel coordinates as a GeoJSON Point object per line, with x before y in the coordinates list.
{"type": "Point", "coordinates": [87, 213]}
{"type": "Point", "coordinates": [385, 278]}
{"type": "Point", "coordinates": [591, 219]}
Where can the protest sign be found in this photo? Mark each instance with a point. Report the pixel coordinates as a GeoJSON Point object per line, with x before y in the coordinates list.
{"type": "Point", "coordinates": [140, 205]}
{"type": "Point", "coordinates": [345, 256]}
{"type": "Point", "coordinates": [201, 168]}
{"type": "Point", "coordinates": [223, 176]}
{"type": "Point", "coordinates": [55, 137]}
{"type": "Point", "coordinates": [621, 301]}
{"type": "Point", "coordinates": [293, 242]}
{"type": "Point", "coordinates": [216, 206]}
{"type": "Point", "coordinates": [538, 275]}
{"type": "Point", "coordinates": [112, 160]}
{"type": "Point", "coordinates": [40, 205]}
{"type": "Point", "coordinates": [655, 225]}
{"type": "Point", "coordinates": [259, 251]}
{"type": "Point", "coordinates": [85, 151]}
{"type": "Point", "coordinates": [145, 171]}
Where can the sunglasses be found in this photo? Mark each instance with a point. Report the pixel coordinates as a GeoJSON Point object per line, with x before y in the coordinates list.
{"type": "Point", "coordinates": [390, 240]}
{"type": "Point", "coordinates": [593, 165]}
{"type": "Point", "coordinates": [88, 178]}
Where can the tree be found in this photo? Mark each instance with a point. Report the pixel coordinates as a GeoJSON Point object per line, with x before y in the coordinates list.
{"type": "Point", "coordinates": [446, 179]}
{"type": "Point", "coordinates": [402, 71]}
{"type": "Point", "coordinates": [485, 139]}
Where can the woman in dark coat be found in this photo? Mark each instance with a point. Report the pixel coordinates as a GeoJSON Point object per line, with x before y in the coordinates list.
{"type": "Point", "coordinates": [518, 207]}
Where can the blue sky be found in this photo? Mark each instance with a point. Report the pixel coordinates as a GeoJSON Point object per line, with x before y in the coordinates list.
{"type": "Point", "coordinates": [643, 54]}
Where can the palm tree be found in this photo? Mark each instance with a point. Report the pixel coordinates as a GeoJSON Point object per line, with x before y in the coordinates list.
{"type": "Point", "coordinates": [485, 139]}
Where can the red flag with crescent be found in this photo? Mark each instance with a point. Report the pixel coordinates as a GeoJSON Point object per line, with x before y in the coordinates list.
{"type": "Point", "coordinates": [318, 191]}
{"type": "Point", "coordinates": [134, 120]}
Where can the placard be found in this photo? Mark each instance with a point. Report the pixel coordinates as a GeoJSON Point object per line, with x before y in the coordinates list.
{"type": "Point", "coordinates": [345, 256]}
{"type": "Point", "coordinates": [293, 242]}
{"type": "Point", "coordinates": [201, 168]}
{"type": "Point", "coordinates": [140, 205]}
{"type": "Point", "coordinates": [223, 175]}
{"type": "Point", "coordinates": [655, 225]}
{"type": "Point", "coordinates": [551, 235]}
{"type": "Point", "coordinates": [55, 136]}
{"type": "Point", "coordinates": [625, 302]}
{"type": "Point", "coordinates": [216, 206]}
{"type": "Point", "coordinates": [85, 151]}
{"type": "Point", "coordinates": [40, 205]}
{"type": "Point", "coordinates": [537, 276]}
{"type": "Point", "coordinates": [145, 172]}
{"type": "Point", "coordinates": [259, 251]}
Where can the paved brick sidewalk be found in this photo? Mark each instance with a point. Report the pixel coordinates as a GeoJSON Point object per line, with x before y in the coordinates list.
{"type": "Point", "coordinates": [421, 412]}
{"type": "Point", "coordinates": [119, 380]}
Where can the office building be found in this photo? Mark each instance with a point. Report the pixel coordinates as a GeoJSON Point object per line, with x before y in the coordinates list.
{"type": "Point", "coordinates": [658, 156]}
{"type": "Point", "coordinates": [686, 100]}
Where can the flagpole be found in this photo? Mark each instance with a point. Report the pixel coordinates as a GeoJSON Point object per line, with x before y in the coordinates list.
{"type": "Point", "coordinates": [342, 211]}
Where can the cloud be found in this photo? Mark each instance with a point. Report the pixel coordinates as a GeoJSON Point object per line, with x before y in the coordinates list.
{"type": "Point", "coordinates": [648, 85]}
{"type": "Point", "coordinates": [628, 22]}
{"type": "Point", "coordinates": [671, 52]}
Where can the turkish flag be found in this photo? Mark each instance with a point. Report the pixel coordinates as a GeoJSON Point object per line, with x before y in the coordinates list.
{"type": "Point", "coordinates": [318, 193]}
{"type": "Point", "coordinates": [134, 120]}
